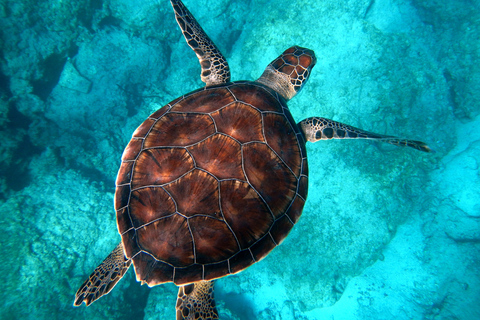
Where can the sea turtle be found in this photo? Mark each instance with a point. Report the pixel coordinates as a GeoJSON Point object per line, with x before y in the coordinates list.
{"type": "Point", "coordinates": [213, 181]}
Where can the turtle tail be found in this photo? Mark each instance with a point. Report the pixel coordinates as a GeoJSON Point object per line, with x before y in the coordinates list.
{"type": "Point", "coordinates": [103, 278]}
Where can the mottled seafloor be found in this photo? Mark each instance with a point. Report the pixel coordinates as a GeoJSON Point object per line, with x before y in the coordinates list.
{"type": "Point", "coordinates": [387, 233]}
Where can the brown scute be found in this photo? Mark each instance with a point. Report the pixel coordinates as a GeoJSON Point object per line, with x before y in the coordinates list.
{"type": "Point", "coordinates": [290, 59]}
{"type": "Point", "coordinates": [295, 209]}
{"type": "Point", "coordinates": [213, 240]}
{"type": "Point", "coordinates": [124, 223]}
{"type": "Point", "coordinates": [124, 173]}
{"type": "Point", "coordinates": [220, 155]}
{"type": "Point", "coordinates": [150, 204]}
{"type": "Point", "coordinates": [305, 60]}
{"type": "Point", "coordinates": [305, 167]}
{"type": "Point", "coordinates": [257, 96]}
{"type": "Point", "coordinates": [283, 140]}
{"type": "Point", "coordinates": [277, 63]}
{"type": "Point", "coordinates": [195, 193]}
{"type": "Point", "coordinates": [187, 275]}
{"type": "Point", "coordinates": [269, 176]}
{"type": "Point", "coordinates": [160, 273]}
{"type": "Point", "coordinates": [215, 270]}
{"type": "Point", "coordinates": [303, 187]}
{"type": "Point", "coordinates": [240, 121]}
{"type": "Point", "coordinates": [160, 112]}
{"type": "Point", "coordinates": [303, 148]}
{"type": "Point", "coordinates": [161, 165]}
{"type": "Point", "coordinates": [130, 244]}
{"type": "Point", "coordinates": [168, 240]}
{"type": "Point", "coordinates": [122, 194]}
{"type": "Point", "coordinates": [288, 69]}
{"type": "Point", "coordinates": [206, 101]}
{"type": "Point", "coordinates": [151, 271]}
{"type": "Point", "coordinates": [263, 247]}
{"type": "Point", "coordinates": [244, 212]}
{"type": "Point", "coordinates": [240, 261]}
{"type": "Point", "coordinates": [132, 149]}
{"type": "Point", "coordinates": [300, 71]}
{"type": "Point", "coordinates": [143, 129]}
{"type": "Point", "coordinates": [179, 129]}
{"type": "Point", "coordinates": [280, 229]}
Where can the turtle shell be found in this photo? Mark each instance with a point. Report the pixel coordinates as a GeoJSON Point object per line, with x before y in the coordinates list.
{"type": "Point", "coordinates": [210, 184]}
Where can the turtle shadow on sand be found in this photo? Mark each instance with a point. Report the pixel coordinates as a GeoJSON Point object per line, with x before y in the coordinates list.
{"type": "Point", "coordinates": [216, 179]}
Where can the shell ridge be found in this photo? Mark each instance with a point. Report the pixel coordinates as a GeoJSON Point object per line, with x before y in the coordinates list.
{"type": "Point", "coordinates": [154, 220]}
{"type": "Point", "coordinates": [223, 107]}
{"type": "Point", "coordinates": [199, 141]}
{"type": "Point", "coordinates": [283, 161]}
{"type": "Point", "coordinates": [164, 184]}
{"type": "Point", "coordinates": [233, 95]}
{"type": "Point", "coordinates": [251, 253]}
{"type": "Point", "coordinates": [271, 237]}
{"type": "Point", "coordinates": [214, 124]}
{"type": "Point", "coordinates": [253, 188]}
{"type": "Point", "coordinates": [193, 241]}
{"type": "Point", "coordinates": [223, 217]}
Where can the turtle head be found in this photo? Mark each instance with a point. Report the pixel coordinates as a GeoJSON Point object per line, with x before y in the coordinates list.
{"type": "Point", "coordinates": [289, 72]}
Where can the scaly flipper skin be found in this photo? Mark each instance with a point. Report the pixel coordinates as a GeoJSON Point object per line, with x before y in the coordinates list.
{"type": "Point", "coordinates": [215, 68]}
{"type": "Point", "coordinates": [195, 302]}
{"type": "Point", "coordinates": [316, 129]}
{"type": "Point", "coordinates": [103, 278]}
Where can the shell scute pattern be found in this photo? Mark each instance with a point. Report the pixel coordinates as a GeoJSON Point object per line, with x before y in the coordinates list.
{"type": "Point", "coordinates": [240, 121]}
{"type": "Point", "coordinates": [220, 155]}
{"type": "Point", "coordinates": [210, 183]}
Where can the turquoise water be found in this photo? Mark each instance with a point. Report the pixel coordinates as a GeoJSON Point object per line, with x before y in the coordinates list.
{"type": "Point", "coordinates": [386, 232]}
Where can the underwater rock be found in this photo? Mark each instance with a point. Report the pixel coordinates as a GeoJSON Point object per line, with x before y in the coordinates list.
{"type": "Point", "coordinates": [457, 178]}
{"type": "Point", "coordinates": [134, 15]}
{"type": "Point", "coordinates": [72, 79]}
{"type": "Point", "coordinates": [124, 72]}
{"type": "Point", "coordinates": [30, 105]}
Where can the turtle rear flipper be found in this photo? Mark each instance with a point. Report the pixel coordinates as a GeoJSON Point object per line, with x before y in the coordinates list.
{"type": "Point", "coordinates": [195, 302]}
{"type": "Point", "coordinates": [316, 129]}
{"type": "Point", "coordinates": [104, 278]}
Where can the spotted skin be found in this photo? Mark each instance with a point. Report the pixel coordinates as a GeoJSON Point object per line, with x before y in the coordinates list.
{"type": "Point", "coordinates": [316, 129]}
{"type": "Point", "coordinates": [215, 68]}
{"type": "Point", "coordinates": [104, 278]}
{"type": "Point", "coordinates": [195, 301]}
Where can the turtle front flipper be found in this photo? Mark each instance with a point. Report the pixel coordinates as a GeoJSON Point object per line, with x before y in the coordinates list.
{"type": "Point", "coordinates": [215, 68]}
{"type": "Point", "coordinates": [104, 277]}
{"type": "Point", "coordinates": [195, 302]}
{"type": "Point", "coordinates": [316, 129]}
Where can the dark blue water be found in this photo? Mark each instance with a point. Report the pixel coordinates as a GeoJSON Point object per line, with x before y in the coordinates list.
{"type": "Point", "coordinates": [386, 232]}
